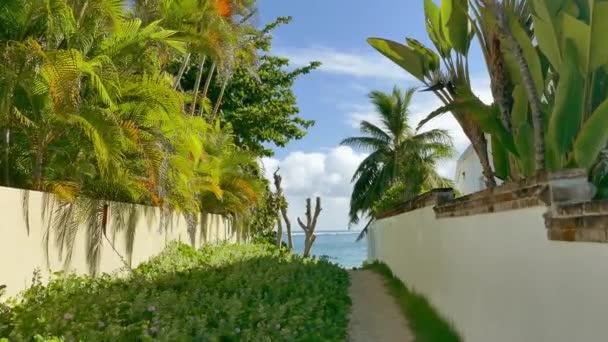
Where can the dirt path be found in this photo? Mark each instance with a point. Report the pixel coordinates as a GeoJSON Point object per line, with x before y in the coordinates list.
{"type": "Point", "coordinates": [375, 316]}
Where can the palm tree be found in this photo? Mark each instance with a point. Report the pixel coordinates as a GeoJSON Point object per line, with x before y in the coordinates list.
{"type": "Point", "coordinates": [398, 154]}
{"type": "Point", "coordinates": [89, 113]}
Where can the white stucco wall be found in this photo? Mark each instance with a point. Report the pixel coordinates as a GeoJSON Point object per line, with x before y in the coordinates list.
{"type": "Point", "coordinates": [21, 254]}
{"type": "Point", "coordinates": [497, 277]}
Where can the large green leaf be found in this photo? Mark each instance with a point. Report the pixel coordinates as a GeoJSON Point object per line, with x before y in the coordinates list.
{"type": "Point", "coordinates": [581, 9]}
{"type": "Point", "coordinates": [579, 33]}
{"type": "Point", "coordinates": [430, 60]}
{"type": "Point", "coordinates": [547, 41]}
{"type": "Point", "coordinates": [500, 158]}
{"type": "Point", "coordinates": [598, 53]}
{"type": "Point", "coordinates": [402, 55]}
{"type": "Point", "coordinates": [524, 140]}
{"type": "Point", "coordinates": [523, 133]}
{"type": "Point", "coordinates": [519, 112]}
{"type": "Point", "coordinates": [454, 16]}
{"type": "Point", "coordinates": [567, 114]}
{"type": "Point", "coordinates": [592, 137]}
{"type": "Point", "coordinates": [433, 27]}
{"type": "Point", "coordinates": [551, 7]}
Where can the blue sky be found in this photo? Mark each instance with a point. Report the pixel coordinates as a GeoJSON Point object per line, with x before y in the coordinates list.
{"type": "Point", "coordinates": [334, 32]}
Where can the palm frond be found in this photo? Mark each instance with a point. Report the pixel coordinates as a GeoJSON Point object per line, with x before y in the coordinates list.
{"type": "Point", "coordinates": [364, 143]}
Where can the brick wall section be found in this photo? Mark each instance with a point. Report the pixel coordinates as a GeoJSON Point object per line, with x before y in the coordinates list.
{"type": "Point", "coordinates": [428, 199]}
{"type": "Point", "coordinates": [583, 222]}
{"type": "Point", "coordinates": [510, 196]}
{"type": "Point", "coordinates": [570, 215]}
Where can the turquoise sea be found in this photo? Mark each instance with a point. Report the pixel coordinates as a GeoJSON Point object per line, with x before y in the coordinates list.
{"type": "Point", "coordinates": [339, 246]}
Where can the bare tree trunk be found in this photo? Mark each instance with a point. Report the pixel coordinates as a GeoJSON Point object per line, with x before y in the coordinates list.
{"type": "Point", "coordinates": [219, 99]}
{"type": "Point", "coordinates": [279, 231]}
{"type": "Point", "coordinates": [197, 84]}
{"type": "Point", "coordinates": [287, 227]}
{"type": "Point", "coordinates": [208, 84]}
{"type": "Point", "coordinates": [182, 69]}
{"type": "Point", "coordinates": [283, 208]}
{"type": "Point", "coordinates": [526, 75]}
{"type": "Point", "coordinates": [6, 161]}
{"type": "Point", "coordinates": [311, 224]}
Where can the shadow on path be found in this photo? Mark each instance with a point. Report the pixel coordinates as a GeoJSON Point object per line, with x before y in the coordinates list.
{"type": "Point", "coordinates": [375, 315]}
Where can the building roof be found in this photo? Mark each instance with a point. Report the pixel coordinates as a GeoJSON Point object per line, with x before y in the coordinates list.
{"type": "Point", "coordinates": [467, 152]}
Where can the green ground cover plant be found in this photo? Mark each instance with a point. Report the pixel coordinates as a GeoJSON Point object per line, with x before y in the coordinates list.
{"type": "Point", "coordinates": [224, 293]}
{"type": "Point", "coordinates": [426, 324]}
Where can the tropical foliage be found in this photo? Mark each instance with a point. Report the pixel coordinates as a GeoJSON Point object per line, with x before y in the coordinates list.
{"type": "Point", "coordinates": [547, 65]}
{"type": "Point", "coordinates": [448, 30]}
{"type": "Point", "coordinates": [93, 111]}
{"type": "Point", "coordinates": [400, 157]}
{"type": "Point", "coordinates": [227, 293]}
{"type": "Point", "coordinates": [261, 106]}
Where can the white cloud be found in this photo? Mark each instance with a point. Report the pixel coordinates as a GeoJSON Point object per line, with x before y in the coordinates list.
{"type": "Point", "coordinates": [370, 65]}
{"type": "Point", "coordinates": [358, 113]}
{"type": "Point", "coordinates": [326, 175]}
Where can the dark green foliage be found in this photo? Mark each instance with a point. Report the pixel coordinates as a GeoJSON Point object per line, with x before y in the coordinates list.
{"type": "Point", "coordinates": [225, 293]}
{"type": "Point", "coordinates": [426, 324]}
{"type": "Point", "coordinates": [264, 218]}
{"type": "Point", "coordinates": [265, 110]}
{"type": "Point", "coordinates": [261, 106]}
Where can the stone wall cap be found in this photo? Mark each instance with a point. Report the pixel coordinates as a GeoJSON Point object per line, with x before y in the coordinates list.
{"type": "Point", "coordinates": [567, 174]}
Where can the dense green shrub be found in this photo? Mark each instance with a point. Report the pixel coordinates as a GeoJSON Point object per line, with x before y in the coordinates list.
{"type": "Point", "coordinates": [224, 293]}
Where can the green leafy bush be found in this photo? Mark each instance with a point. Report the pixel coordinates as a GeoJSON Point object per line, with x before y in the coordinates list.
{"type": "Point", "coordinates": [223, 293]}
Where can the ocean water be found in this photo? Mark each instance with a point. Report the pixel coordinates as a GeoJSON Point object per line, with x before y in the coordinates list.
{"type": "Point", "coordinates": [338, 246]}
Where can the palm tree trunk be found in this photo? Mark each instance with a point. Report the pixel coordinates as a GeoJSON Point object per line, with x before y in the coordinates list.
{"type": "Point", "coordinates": [208, 84]}
{"type": "Point", "coordinates": [6, 161]}
{"type": "Point", "coordinates": [81, 14]}
{"type": "Point", "coordinates": [182, 69]}
{"type": "Point", "coordinates": [526, 75]}
{"type": "Point", "coordinates": [219, 100]}
{"type": "Point", "coordinates": [197, 84]}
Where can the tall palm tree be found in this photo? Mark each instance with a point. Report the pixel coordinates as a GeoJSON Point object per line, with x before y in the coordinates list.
{"type": "Point", "coordinates": [398, 154]}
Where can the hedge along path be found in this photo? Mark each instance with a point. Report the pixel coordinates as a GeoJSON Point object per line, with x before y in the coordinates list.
{"type": "Point", "coordinates": [375, 315]}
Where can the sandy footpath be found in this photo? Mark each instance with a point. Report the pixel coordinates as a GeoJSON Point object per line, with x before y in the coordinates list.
{"type": "Point", "coordinates": [375, 316]}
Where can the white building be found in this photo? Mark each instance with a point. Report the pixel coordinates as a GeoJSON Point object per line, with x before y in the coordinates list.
{"type": "Point", "coordinates": [469, 174]}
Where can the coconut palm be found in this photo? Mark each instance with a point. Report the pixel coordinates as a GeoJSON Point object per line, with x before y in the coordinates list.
{"type": "Point", "coordinates": [398, 154]}
{"type": "Point", "coordinates": [91, 115]}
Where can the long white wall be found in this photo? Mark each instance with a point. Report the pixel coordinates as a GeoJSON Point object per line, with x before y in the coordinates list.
{"type": "Point", "coordinates": [22, 253]}
{"type": "Point", "coordinates": [497, 277]}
